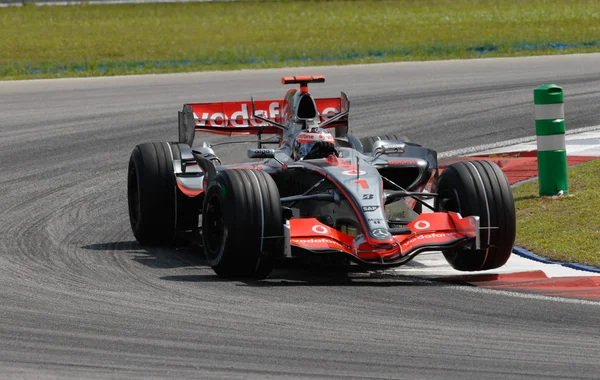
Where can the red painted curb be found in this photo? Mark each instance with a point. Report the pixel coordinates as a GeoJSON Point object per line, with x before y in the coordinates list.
{"type": "Point", "coordinates": [536, 282]}
{"type": "Point", "coordinates": [518, 166]}
{"type": "Point", "coordinates": [499, 278]}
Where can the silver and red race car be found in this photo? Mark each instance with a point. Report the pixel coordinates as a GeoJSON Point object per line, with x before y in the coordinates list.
{"type": "Point", "coordinates": [376, 201]}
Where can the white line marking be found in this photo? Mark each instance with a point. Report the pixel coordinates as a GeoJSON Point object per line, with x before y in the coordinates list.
{"type": "Point", "coordinates": [525, 295]}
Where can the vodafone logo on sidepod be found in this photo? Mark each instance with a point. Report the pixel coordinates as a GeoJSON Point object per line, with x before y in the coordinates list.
{"type": "Point", "coordinates": [319, 229]}
{"type": "Point", "coordinates": [422, 225]}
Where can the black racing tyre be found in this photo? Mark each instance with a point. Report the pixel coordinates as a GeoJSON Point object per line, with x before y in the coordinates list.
{"type": "Point", "coordinates": [242, 223]}
{"type": "Point", "coordinates": [479, 188]}
{"type": "Point", "coordinates": [367, 142]}
{"type": "Point", "coordinates": [188, 208]}
{"type": "Point", "coordinates": [151, 194]}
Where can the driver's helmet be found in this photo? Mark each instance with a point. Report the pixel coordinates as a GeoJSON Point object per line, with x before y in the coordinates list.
{"type": "Point", "coordinates": [306, 139]}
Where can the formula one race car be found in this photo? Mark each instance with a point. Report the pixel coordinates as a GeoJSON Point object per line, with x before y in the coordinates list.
{"type": "Point", "coordinates": [316, 194]}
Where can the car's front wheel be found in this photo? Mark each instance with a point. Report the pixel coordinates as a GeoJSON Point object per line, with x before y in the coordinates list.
{"type": "Point", "coordinates": [242, 223]}
{"type": "Point", "coordinates": [479, 188]}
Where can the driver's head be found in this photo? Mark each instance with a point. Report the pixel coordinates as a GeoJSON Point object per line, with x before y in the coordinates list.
{"type": "Point", "coordinates": [309, 140]}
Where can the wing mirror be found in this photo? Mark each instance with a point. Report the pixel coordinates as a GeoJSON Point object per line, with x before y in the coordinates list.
{"type": "Point", "coordinates": [386, 147]}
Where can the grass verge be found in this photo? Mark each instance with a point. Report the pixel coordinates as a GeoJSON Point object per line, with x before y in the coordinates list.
{"type": "Point", "coordinates": [86, 40]}
{"type": "Point", "coordinates": [563, 229]}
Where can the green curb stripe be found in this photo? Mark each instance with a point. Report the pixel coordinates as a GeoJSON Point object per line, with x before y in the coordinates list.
{"type": "Point", "coordinates": [549, 127]}
{"type": "Point", "coordinates": [549, 111]}
{"type": "Point", "coordinates": [548, 94]}
{"type": "Point", "coordinates": [552, 169]}
{"type": "Point", "coordinates": [551, 142]}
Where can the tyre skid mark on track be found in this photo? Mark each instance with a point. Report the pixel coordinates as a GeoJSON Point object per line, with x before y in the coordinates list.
{"type": "Point", "coordinates": [48, 230]}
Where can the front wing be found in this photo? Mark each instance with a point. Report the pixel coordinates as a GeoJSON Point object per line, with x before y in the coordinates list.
{"type": "Point", "coordinates": [429, 232]}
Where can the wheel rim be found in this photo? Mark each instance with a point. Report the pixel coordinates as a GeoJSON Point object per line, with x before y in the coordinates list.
{"type": "Point", "coordinates": [134, 197]}
{"type": "Point", "coordinates": [213, 226]}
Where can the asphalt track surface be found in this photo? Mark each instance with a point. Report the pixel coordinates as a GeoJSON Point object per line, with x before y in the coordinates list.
{"type": "Point", "coordinates": [79, 298]}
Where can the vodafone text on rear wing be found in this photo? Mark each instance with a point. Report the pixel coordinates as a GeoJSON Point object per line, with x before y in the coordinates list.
{"type": "Point", "coordinates": [235, 118]}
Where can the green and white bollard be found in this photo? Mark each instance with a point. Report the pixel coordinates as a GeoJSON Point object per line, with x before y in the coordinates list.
{"type": "Point", "coordinates": [549, 107]}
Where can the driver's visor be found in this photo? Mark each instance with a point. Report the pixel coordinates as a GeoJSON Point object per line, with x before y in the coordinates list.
{"type": "Point", "coordinates": [306, 147]}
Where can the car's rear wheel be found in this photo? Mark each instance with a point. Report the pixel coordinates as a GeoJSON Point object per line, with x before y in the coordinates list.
{"type": "Point", "coordinates": [151, 194]}
{"type": "Point", "coordinates": [242, 223]}
{"type": "Point", "coordinates": [157, 208]}
{"type": "Point", "coordinates": [479, 188]}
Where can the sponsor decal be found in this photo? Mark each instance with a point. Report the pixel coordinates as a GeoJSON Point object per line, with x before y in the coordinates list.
{"type": "Point", "coordinates": [319, 229]}
{"type": "Point", "coordinates": [239, 114]}
{"type": "Point", "coordinates": [367, 196]}
{"type": "Point", "coordinates": [316, 241]}
{"type": "Point", "coordinates": [237, 119]}
{"type": "Point", "coordinates": [403, 162]}
{"type": "Point", "coordinates": [380, 233]}
{"type": "Point", "coordinates": [329, 112]}
{"type": "Point", "coordinates": [398, 215]}
{"type": "Point", "coordinates": [369, 208]}
{"type": "Point", "coordinates": [354, 172]}
{"type": "Point", "coordinates": [422, 225]}
{"type": "Point", "coordinates": [262, 151]}
{"type": "Point", "coordinates": [375, 220]}
{"type": "Point", "coordinates": [309, 137]}
{"type": "Point", "coordinates": [432, 235]}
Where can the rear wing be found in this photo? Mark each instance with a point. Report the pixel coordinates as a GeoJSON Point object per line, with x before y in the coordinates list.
{"type": "Point", "coordinates": [235, 118]}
